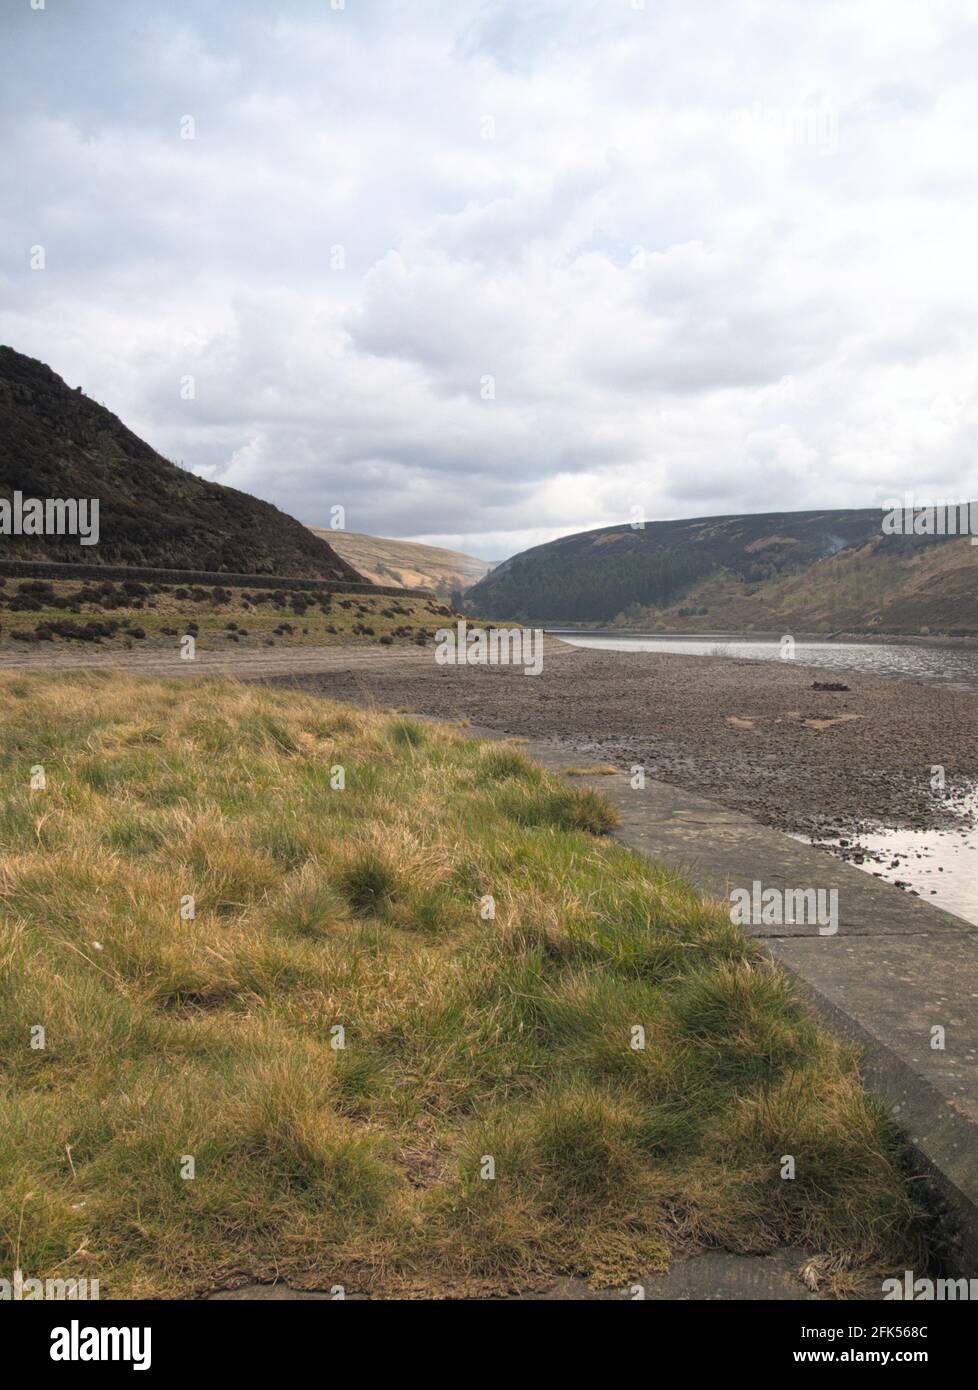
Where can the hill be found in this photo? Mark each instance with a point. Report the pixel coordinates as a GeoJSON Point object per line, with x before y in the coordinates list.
{"type": "Point", "coordinates": [57, 443]}
{"type": "Point", "coordinates": [804, 571]}
{"type": "Point", "coordinates": [386, 561]}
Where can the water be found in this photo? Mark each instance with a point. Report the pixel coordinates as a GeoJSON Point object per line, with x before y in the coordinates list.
{"type": "Point", "coordinates": [940, 866]}
{"type": "Point", "coordinates": [937, 665]}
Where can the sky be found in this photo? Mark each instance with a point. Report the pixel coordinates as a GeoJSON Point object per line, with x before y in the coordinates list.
{"type": "Point", "coordinates": [482, 274]}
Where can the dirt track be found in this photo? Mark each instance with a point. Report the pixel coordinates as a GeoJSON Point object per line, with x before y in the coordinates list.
{"type": "Point", "coordinates": [243, 663]}
{"type": "Point", "coordinates": [752, 735]}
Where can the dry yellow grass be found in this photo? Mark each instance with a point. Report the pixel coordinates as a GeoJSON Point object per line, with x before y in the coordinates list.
{"type": "Point", "coordinates": [487, 957]}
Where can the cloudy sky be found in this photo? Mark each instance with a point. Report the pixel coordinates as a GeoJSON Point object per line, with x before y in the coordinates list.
{"type": "Point", "coordinates": [486, 273]}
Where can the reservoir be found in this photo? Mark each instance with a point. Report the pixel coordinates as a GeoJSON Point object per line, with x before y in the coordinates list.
{"type": "Point", "coordinates": [950, 665]}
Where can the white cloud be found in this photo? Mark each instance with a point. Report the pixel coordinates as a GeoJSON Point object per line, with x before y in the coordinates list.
{"type": "Point", "coordinates": [713, 257]}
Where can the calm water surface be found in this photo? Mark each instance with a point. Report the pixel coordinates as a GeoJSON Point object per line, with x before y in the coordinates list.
{"type": "Point", "coordinates": [954, 666]}
{"type": "Point", "coordinates": [941, 866]}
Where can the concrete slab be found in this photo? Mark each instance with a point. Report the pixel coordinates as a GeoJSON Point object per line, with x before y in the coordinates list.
{"type": "Point", "coordinates": [889, 995]}
{"type": "Point", "coordinates": [720, 849]}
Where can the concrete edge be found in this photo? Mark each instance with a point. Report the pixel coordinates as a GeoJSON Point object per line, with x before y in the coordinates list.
{"type": "Point", "coordinates": [941, 1142]}
{"type": "Point", "coordinates": [917, 1110]}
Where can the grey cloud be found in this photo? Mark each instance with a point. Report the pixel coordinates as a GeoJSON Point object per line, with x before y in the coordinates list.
{"type": "Point", "coordinates": [682, 305]}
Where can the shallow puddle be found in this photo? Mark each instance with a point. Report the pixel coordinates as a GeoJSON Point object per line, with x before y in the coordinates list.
{"type": "Point", "coordinates": [940, 866]}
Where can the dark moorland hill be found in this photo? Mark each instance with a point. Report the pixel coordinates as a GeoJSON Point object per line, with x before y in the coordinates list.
{"type": "Point", "coordinates": [804, 571]}
{"type": "Point", "coordinates": [57, 443]}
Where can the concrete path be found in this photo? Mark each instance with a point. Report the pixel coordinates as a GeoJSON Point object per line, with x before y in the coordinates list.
{"type": "Point", "coordinates": [896, 970]}
{"type": "Point", "coordinates": [248, 663]}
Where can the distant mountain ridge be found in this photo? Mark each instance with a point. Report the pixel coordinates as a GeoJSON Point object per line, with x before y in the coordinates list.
{"type": "Point", "coordinates": [57, 443]}
{"type": "Point", "coordinates": [408, 563]}
{"type": "Point", "coordinates": [815, 571]}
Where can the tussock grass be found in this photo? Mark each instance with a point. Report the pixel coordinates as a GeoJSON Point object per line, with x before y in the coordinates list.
{"type": "Point", "coordinates": [467, 1037]}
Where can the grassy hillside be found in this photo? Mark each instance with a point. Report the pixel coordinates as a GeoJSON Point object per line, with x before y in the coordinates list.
{"type": "Point", "coordinates": [55, 442]}
{"type": "Point", "coordinates": [362, 907]}
{"type": "Point", "coordinates": [810, 570]}
{"type": "Point", "coordinates": [920, 592]}
{"type": "Point", "coordinates": [406, 563]}
{"type": "Point", "coordinates": [56, 613]}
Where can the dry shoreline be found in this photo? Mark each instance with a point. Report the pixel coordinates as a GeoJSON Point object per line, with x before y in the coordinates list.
{"type": "Point", "coordinates": [749, 734]}
{"type": "Point", "coordinates": [753, 735]}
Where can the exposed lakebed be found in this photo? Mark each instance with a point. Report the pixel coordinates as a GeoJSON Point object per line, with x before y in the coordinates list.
{"type": "Point", "coordinates": [937, 861]}
{"type": "Point", "coordinates": [761, 736]}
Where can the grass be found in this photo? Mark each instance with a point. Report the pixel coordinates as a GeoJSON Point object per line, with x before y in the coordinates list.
{"type": "Point", "coordinates": [383, 986]}
{"type": "Point", "coordinates": [77, 613]}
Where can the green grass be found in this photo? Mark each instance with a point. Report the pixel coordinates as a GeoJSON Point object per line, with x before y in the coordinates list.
{"type": "Point", "coordinates": [467, 1037]}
